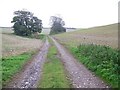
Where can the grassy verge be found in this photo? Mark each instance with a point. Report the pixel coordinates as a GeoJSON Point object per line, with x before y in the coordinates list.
{"type": "Point", "coordinates": [53, 71]}
{"type": "Point", "coordinates": [13, 64]}
{"type": "Point", "coordinates": [102, 60]}
{"type": "Point", "coordinates": [38, 36]}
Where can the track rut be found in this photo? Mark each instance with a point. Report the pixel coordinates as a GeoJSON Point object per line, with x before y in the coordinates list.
{"type": "Point", "coordinates": [32, 73]}
{"type": "Point", "coordinates": [79, 75]}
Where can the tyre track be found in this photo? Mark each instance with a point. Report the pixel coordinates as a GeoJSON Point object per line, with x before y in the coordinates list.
{"type": "Point", "coordinates": [32, 73]}
{"type": "Point", "coordinates": [79, 75]}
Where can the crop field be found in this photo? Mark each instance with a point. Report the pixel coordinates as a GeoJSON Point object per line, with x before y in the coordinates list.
{"type": "Point", "coordinates": [14, 45]}
{"type": "Point", "coordinates": [103, 35]}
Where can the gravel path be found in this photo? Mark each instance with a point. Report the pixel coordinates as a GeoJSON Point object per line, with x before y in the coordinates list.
{"type": "Point", "coordinates": [79, 76]}
{"type": "Point", "coordinates": [31, 75]}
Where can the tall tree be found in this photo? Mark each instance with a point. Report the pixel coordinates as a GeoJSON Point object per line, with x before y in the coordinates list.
{"type": "Point", "coordinates": [57, 25]}
{"type": "Point", "coordinates": [25, 23]}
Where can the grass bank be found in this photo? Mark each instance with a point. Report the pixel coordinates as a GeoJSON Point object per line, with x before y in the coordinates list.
{"type": "Point", "coordinates": [13, 64]}
{"type": "Point", "coordinates": [102, 60]}
{"type": "Point", "coordinates": [53, 71]}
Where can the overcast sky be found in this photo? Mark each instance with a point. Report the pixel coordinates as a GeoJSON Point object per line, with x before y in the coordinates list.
{"type": "Point", "coordinates": [75, 13]}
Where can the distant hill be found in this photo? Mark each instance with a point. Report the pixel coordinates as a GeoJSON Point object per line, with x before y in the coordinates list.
{"type": "Point", "coordinates": [46, 30]}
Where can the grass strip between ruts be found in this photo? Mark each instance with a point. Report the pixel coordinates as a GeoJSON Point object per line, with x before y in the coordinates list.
{"type": "Point", "coordinates": [53, 71]}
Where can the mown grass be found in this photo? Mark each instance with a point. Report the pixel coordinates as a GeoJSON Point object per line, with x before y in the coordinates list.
{"type": "Point", "coordinates": [102, 60]}
{"type": "Point", "coordinates": [53, 71]}
{"type": "Point", "coordinates": [13, 64]}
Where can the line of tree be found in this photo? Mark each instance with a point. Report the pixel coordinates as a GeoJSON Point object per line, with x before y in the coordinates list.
{"type": "Point", "coordinates": [25, 23]}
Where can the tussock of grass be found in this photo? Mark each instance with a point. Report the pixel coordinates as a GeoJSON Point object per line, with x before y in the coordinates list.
{"type": "Point", "coordinates": [53, 72]}
{"type": "Point", "coordinates": [11, 65]}
{"type": "Point", "coordinates": [102, 60]}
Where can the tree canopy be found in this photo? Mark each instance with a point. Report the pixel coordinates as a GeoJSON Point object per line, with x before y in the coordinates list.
{"type": "Point", "coordinates": [57, 25]}
{"type": "Point", "coordinates": [25, 23]}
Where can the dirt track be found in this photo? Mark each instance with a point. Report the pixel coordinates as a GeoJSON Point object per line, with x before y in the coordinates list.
{"type": "Point", "coordinates": [31, 75]}
{"type": "Point", "coordinates": [80, 77]}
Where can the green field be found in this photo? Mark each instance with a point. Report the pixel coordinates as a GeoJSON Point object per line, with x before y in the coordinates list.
{"type": "Point", "coordinates": [97, 49]}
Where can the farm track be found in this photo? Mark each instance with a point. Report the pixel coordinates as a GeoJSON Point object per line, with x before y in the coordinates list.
{"type": "Point", "coordinates": [79, 76]}
{"type": "Point", "coordinates": [32, 73]}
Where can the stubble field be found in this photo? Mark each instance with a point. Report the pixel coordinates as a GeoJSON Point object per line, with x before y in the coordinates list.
{"type": "Point", "coordinates": [14, 45]}
{"type": "Point", "coordinates": [104, 35]}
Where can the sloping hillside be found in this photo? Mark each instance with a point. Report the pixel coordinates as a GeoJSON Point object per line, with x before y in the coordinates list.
{"type": "Point", "coordinates": [90, 47]}
{"type": "Point", "coordinates": [102, 35]}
